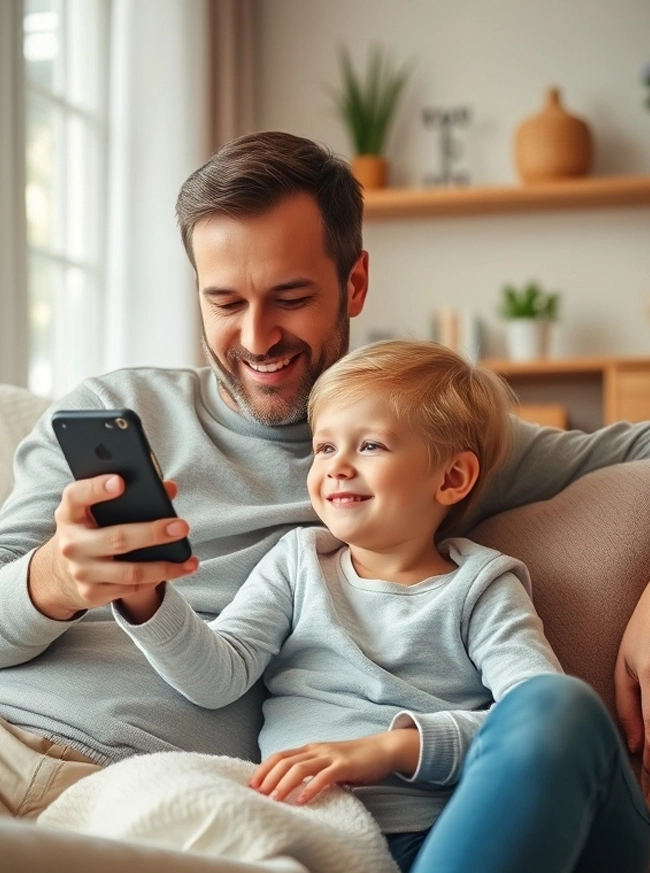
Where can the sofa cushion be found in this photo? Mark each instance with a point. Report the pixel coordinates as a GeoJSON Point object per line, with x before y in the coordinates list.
{"type": "Point", "coordinates": [588, 551]}
{"type": "Point", "coordinates": [19, 410]}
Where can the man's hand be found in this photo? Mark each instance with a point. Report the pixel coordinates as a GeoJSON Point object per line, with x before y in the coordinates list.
{"type": "Point", "coordinates": [632, 681]}
{"type": "Point", "coordinates": [75, 570]}
{"type": "Point", "coordinates": [355, 762]}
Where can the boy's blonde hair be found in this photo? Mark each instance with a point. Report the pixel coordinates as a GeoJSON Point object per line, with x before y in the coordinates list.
{"type": "Point", "coordinates": [451, 404]}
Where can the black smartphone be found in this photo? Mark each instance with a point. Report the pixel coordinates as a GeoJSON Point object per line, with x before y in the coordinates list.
{"type": "Point", "coordinates": [97, 441]}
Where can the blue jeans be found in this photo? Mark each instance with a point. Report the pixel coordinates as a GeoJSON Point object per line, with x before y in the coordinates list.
{"type": "Point", "coordinates": [546, 788]}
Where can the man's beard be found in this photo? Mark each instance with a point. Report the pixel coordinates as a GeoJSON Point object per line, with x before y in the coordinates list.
{"type": "Point", "coordinates": [267, 405]}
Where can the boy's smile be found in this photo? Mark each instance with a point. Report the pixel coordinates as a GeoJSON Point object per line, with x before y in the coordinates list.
{"type": "Point", "coordinates": [371, 480]}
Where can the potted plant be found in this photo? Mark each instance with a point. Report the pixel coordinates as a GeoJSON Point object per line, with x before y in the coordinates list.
{"type": "Point", "coordinates": [529, 313]}
{"type": "Point", "coordinates": [366, 106]}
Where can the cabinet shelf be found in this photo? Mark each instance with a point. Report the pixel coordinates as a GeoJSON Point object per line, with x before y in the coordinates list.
{"type": "Point", "coordinates": [595, 390]}
{"type": "Point", "coordinates": [583, 193]}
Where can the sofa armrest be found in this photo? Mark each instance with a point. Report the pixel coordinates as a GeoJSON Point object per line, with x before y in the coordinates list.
{"type": "Point", "coordinates": [29, 848]}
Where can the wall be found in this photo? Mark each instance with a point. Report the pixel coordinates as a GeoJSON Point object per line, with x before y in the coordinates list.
{"type": "Point", "coordinates": [498, 57]}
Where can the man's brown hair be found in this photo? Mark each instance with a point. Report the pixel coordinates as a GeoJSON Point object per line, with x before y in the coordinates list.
{"type": "Point", "coordinates": [252, 174]}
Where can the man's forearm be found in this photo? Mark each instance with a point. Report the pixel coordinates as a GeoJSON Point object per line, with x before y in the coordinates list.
{"type": "Point", "coordinates": [545, 460]}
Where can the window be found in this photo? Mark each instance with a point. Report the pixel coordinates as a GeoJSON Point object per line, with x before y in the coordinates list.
{"type": "Point", "coordinates": [66, 71]}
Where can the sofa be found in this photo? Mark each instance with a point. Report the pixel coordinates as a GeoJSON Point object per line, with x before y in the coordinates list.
{"type": "Point", "coordinates": [588, 550]}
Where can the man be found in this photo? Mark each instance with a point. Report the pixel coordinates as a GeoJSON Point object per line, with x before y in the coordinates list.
{"type": "Point", "coordinates": [272, 226]}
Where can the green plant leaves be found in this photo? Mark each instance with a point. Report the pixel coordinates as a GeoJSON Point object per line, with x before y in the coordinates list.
{"type": "Point", "coordinates": [529, 302]}
{"type": "Point", "coordinates": [367, 104]}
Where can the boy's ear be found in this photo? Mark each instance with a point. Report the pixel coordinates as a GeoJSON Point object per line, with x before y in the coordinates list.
{"type": "Point", "coordinates": [459, 478]}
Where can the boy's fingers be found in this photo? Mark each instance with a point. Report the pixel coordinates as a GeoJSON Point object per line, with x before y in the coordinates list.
{"type": "Point", "coordinates": [314, 787]}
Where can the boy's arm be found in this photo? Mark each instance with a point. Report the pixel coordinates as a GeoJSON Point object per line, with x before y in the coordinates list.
{"type": "Point", "coordinates": [544, 460]}
{"type": "Point", "coordinates": [214, 664]}
{"type": "Point", "coordinates": [506, 642]}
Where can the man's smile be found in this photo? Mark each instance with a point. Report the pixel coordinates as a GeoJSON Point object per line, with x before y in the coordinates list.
{"type": "Point", "coordinates": [269, 366]}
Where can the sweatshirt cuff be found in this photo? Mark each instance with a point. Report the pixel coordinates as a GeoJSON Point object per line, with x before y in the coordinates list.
{"type": "Point", "coordinates": [163, 626]}
{"type": "Point", "coordinates": [439, 745]}
{"type": "Point", "coordinates": [23, 623]}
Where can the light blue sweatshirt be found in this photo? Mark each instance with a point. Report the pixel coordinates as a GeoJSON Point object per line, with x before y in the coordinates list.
{"type": "Point", "coordinates": [344, 657]}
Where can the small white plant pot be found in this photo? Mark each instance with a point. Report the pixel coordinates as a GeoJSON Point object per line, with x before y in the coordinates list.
{"type": "Point", "coordinates": [528, 339]}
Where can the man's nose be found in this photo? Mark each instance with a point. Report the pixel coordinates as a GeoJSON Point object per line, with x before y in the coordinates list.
{"type": "Point", "coordinates": [259, 332]}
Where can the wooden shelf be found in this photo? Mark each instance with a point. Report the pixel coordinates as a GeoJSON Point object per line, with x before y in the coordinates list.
{"type": "Point", "coordinates": [583, 193]}
{"type": "Point", "coordinates": [618, 387]}
{"type": "Point", "coordinates": [547, 366]}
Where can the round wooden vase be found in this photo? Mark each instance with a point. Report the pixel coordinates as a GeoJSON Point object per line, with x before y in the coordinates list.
{"type": "Point", "coordinates": [553, 144]}
{"type": "Point", "coordinates": [370, 170]}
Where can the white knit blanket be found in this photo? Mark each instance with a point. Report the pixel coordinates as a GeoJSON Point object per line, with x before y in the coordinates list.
{"type": "Point", "coordinates": [201, 803]}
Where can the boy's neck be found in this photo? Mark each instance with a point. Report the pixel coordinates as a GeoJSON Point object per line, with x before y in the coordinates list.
{"type": "Point", "coordinates": [406, 564]}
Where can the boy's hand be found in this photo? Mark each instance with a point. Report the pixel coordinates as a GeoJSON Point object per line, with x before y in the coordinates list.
{"type": "Point", "coordinates": [353, 762]}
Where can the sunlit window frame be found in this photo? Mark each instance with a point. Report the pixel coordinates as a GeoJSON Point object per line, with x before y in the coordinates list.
{"type": "Point", "coordinates": [73, 360]}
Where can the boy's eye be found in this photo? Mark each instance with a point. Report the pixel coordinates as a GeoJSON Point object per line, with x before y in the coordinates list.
{"type": "Point", "coordinates": [323, 449]}
{"type": "Point", "coordinates": [370, 446]}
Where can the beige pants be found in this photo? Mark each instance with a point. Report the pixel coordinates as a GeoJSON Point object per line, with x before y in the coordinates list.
{"type": "Point", "coordinates": [34, 771]}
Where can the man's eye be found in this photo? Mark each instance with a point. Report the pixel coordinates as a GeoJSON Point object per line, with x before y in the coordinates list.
{"type": "Point", "coordinates": [293, 302]}
{"type": "Point", "coordinates": [228, 305]}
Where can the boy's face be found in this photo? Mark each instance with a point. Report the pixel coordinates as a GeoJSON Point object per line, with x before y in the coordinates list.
{"type": "Point", "coordinates": [371, 481]}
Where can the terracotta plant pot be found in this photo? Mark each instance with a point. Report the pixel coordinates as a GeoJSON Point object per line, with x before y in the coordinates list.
{"type": "Point", "coordinates": [553, 144]}
{"type": "Point", "coordinates": [370, 170]}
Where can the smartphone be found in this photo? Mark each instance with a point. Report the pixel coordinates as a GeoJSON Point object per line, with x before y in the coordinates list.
{"type": "Point", "coordinates": [98, 441]}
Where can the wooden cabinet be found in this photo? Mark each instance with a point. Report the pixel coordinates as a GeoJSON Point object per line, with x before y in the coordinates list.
{"type": "Point", "coordinates": [593, 391]}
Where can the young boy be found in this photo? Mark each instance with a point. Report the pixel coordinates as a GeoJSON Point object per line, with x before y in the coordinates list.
{"type": "Point", "coordinates": [384, 648]}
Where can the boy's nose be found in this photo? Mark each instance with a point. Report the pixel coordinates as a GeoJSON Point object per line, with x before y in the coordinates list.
{"type": "Point", "coordinates": [340, 468]}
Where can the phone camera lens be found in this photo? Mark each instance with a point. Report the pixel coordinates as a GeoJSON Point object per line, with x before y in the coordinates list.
{"type": "Point", "coordinates": [121, 423]}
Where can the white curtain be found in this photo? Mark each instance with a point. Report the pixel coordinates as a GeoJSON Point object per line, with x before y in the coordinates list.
{"type": "Point", "coordinates": [181, 85]}
{"type": "Point", "coordinates": [158, 136]}
{"type": "Point", "coordinates": [13, 269]}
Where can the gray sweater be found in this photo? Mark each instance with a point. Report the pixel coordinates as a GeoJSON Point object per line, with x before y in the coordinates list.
{"type": "Point", "coordinates": [344, 657]}
{"type": "Point", "coordinates": [241, 487]}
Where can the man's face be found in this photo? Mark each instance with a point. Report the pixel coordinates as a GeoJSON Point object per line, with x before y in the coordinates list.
{"type": "Point", "coordinates": [274, 314]}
